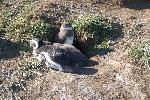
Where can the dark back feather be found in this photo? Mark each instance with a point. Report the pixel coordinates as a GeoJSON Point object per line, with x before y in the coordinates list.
{"type": "Point", "coordinates": [64, 54]}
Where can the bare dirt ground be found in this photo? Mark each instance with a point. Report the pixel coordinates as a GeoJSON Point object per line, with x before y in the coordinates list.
{"type": "Point", "coordinates": [117, 76]}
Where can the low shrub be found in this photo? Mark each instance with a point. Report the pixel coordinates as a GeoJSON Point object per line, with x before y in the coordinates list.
{"type": "Point", "coordinates": [141, 52]}
{"type": "Point", "coordinates": [40, 29]}
{"type": "Point", "coordinates": [21, 23]}
{"type": "Point", "coordinates": [93, 31]}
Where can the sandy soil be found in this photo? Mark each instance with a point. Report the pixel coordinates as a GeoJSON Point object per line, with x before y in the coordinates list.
{"type": "Point", "coordinates": [116, 77]}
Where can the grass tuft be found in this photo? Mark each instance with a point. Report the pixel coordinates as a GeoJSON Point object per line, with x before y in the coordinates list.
{"type": "Point", "coordinates": [141, 52]}
{"type": "Point", "coordinates": [94, 31]}
{"type": "Point", "coordinates": [22, 23]}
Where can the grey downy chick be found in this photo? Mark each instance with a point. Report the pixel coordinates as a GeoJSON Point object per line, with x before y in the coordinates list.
{"type": "Point", "coordinates": [66, 34]}
{"type": "Point", "coordinates": [62, 57]}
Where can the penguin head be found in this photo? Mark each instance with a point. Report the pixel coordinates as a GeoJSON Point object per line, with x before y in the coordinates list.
{"type": "Point", "coordinates": [66, 26]}
{"type": "Point", "coordinates": [36, 43]}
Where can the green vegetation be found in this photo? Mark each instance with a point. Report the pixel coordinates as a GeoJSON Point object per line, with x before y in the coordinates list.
{"type": "Point", "coordinates": [141, 52]}
{"type": "Point", "coordinates": [40, 29]}
{"type": "Point", "coordinates": [21, 23]}
{"type": "Point", "coordinates": [1, 1]}
{"type": "Point", "coordinates": [21, 20]}
{"type": "Point", "coordinates": [94, 31]}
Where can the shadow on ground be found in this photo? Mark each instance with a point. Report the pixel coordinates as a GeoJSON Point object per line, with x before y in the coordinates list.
{"type": "Point", "coordinates": [139, 5]}
{"type": "Point", "coordinates": [93, 51]}
{"type": "Point", "coordinates": [9, 49]}
{"type": "Point", "coordinates": [86, 69]}
{"type": "Point", "coordinates": [101, 51]}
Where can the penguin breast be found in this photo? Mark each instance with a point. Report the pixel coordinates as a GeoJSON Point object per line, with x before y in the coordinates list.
{"type": "Point", "coordinates": [69, 40]}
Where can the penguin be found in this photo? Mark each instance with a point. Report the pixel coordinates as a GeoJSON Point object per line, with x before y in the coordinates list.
{"type": "Point", "coordinates": [61, 57]}
{"type": "Point", "coordinates": [66, 34]}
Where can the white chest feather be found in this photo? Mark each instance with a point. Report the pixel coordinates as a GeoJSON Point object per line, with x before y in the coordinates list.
{"type": "Point", "coordinates": [69, 40]}
{"type": "Point", "coordinates": [51, 63]}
